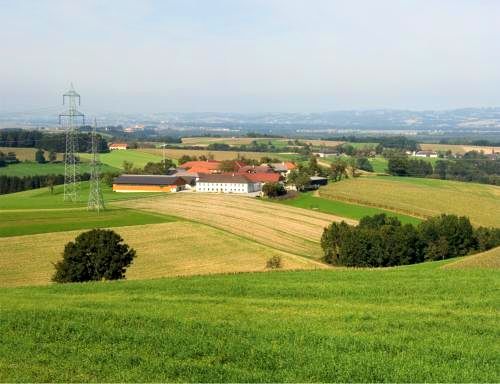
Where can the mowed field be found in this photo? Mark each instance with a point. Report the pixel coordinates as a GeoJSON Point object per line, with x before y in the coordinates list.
{"type": "Point", "coordinates": [169, 249]}
{"type": "Point", "coordinates": [26, 154]}
{"type": "Point", "coordinates": [421, 197]}
{"type": "Point", "coordinates": [412, 324]}
{"type": "Point", "coordinates": [458, 148]}
{"type": "Point", "coordinates": [32, 169]}
{"type": "Point", "coordinates": [217, 155]}
{"type": "Point", "coordinates": [204, 141]}
{"type": "Point", "coordinates": [116, 158]}
{"type": "Point", "coordinates": [487, 260]}
{"type": "Point", "coordinates": [289, 229]}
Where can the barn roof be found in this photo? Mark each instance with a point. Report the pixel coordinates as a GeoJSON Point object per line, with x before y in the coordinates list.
{"type": "Point", "coordinates": [150, 180]}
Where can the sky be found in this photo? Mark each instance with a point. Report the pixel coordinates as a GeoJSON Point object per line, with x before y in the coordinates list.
{"type": "Point", "coordinates": [250, 56]}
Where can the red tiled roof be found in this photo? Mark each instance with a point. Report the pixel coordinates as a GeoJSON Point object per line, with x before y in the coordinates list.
{"type": "Point", "coordinates": [208, 164]}
{"type": "Point", "coordinates": [255, 169]}
{"type": "Point", "coordinates": [263, 177]}
{"type": "Point", "coordinates": [118, 145]}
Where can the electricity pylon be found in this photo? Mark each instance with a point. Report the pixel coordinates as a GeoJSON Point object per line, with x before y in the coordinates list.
{"type": "Point", "coordinates": [70, 120]}
{"type": "Point", "coordinates": [96, 201]}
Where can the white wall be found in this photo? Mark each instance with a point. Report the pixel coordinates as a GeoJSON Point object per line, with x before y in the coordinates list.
{"type": "Point", "coordinates": [227, 187]}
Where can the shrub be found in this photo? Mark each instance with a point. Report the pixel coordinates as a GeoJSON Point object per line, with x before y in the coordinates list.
{"type": "Point", "coordinates": [94, 255]}
{"type": "Point", "coordinates": [273, 190]}
{"type": "Point", "coordinates": [274, 262]}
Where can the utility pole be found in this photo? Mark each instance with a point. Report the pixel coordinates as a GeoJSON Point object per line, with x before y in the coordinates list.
{"type": "Point", "coordinates": [70, 119]}
{"type": "Point", "coordinates": [96, 201]}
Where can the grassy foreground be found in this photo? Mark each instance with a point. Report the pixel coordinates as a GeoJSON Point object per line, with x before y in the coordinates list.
{"type": "Point", "coordinates": [411, 324]}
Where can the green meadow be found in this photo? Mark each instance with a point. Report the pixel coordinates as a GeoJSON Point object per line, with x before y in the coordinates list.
{"type": "Point", "coordinates": [42, 198]}
{"type": "Point", "coordinates": [352, 211]}
{"type": "Point", "coordinates": [15, 223]}
{"type": "Point", "coordinates": [116, 158]}
{"type": "Point", "coordinates": [410, 324]}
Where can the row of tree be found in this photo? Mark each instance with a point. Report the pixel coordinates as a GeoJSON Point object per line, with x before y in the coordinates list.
{"type": "Point", "coordinates": [7, 158]}
{"type": "Point", "coordinates": [12, 184]}
{"type": "Point", "coordinates": [382, 241]}
{"type": "Point", "coordinates": [55, 142]}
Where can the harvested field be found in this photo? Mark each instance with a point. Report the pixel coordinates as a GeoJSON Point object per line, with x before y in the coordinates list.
{"type": "Point", "coordinates": [421, 197]}
{"type": "Point", "coordinates": [322, 143]}
{"type": "Point", "coordinates": [170, 249]}
{"type": "Point", "coordinates": [289, 229]}
{"type": "Point", "coordinates": [489, 260]}
{"type": "Point", "coordinates": [203, 141]}
{"type": "Point", "coordinates": [26, 154]}
{"type": "Point", "coordinates": [217, 155]}
{"type": "Point", "coordinates": [458, 148]}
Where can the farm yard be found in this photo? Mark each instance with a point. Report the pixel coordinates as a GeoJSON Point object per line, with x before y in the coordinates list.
{"type": "Point", "coordinates": [421, 197]}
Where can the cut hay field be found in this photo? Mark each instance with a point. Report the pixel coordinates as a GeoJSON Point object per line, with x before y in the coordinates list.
{"type": "Point", "coordinates": [310, 200]}
{"type": "Point", "coordinates": [289, 229]}
{"type": "Point", "coordinates": [32, 169]}
{"type": "Point", "coordinates": [488, 260]}
{"type": "Point", "coordinates": [204, 141]}
{"type": "Point", "coordinates": [458, 148]}
{"type": "Point", "coordinates": [116, 158]}
{"type": "Point", "coordinates": [421, 197]}
{"type": "Point", "coordinates": [217, 155]}
{"type": "Point", "coordinates": [169, 249]}
{"type": "Point", "coordinates": [412, 324]}
{"type": "Point", "coordinates": [26, 154]}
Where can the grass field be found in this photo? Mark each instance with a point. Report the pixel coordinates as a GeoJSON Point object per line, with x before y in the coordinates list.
{"type": "Point", "coordinates": [22, 222]}
{"type": "Point", "coordinates": [26, 154]}
{"type": "Point", "coordinates": [32, 169]}
{"type": "Point", "coordinates": [412, 324]}
{"type": "Point", "coordinates": [42, 198]}
{"type": "Point", "coordinates": [488, 260]}
{"type": "Point", "coordinates": [169, 249]}
{"type": "Point", "coordinates": [421, 197]}
{"type": "Point", "coordinates": [289, 229]}
{"type": "Point", "coordinates": [352, 211]}
{"type": "Point", "coordinates": [116, 158]}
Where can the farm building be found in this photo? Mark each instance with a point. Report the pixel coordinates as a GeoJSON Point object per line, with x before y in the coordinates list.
{"type": "Point", "coordinates": [208, 166]}
{"type": "Point", "coordinates": [119, 146]}
{"type": "Point", "coordinates": [227, 183]}
{"type": "Point", "coordinates": [284, 168]}
{"type": "Point", "coordinates": [425, 154]}
{"type": "Point", "coordinates": [152, 183]}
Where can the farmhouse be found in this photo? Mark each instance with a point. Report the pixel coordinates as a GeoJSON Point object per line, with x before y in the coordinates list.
{"type": "Point", "coordinates": [120, 146]}
{"type": "Point", "coordinates": [227, 183]}
{"type": "Point", "coordinates": [152, 183]}
{"type": "Point", "coordinates": [425, 154]}
{"type": "Point", "coordinates": [284, 168]}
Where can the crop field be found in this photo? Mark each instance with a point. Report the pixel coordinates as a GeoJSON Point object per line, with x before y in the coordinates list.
{"type": "Point", "coordinates": [42, 198]}
{"type": "Point", "coordinates": [116, 158]}
{"type": "Point", "coordinates": [32, 169]}
{"type": "Point", "coordinates": [310, 200]}
{"type": "Point", "coordinates": [217, 155]}
{"type": "Point", "coordinates": [489, 260]}
{"type": "Point", "coordinates": [458, 148]}
{"type": "Point", "coordinates": [421, 197]}
{"type": "Point", "coordinates": [289, 229]}
{"type": "Point", "coordinates": [169, 249]}
{"type": "Point", "coordinates": [203, 141]}
{"type": "Point", "coordinates": [26, 154]}
{"type": "Point", "coordinates": [27, 222]}
{"type": "Point", "coordinates": [412, 324]}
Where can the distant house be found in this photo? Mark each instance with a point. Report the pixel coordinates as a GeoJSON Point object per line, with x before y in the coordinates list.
{"type": "Point", "coordinates": [425, 154]}
{"type": "Point", "coordinates": [119, 146]}
{"type": "Point", "coordinates": [227, 183]}
{"type": "Point", "coordinates": [152, 183]}
{"type": "Point", "coordinates": [284, 167]}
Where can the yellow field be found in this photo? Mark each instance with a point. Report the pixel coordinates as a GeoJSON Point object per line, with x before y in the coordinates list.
{"type": "Point", "coordinates": [421, 197]}
{"type": "Point", "coordinates": [170, 249]}
{"type": "Point", "coordinates": [204, 141]}
{"type": "Point", "coordinates": [489, 259]}
{"type": "Point", "coordinates": [323, 143]}
{"type": "Point", "coordinates": [458, 148]}
{"type": "Point", "coordinates": [289, 229]}
{"type": "Point", "coordinates": [28, 154]}
{"type": "Point", "coordinates": [217, 155]}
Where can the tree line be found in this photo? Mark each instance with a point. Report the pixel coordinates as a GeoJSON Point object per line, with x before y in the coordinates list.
{"type": "Point", "coordinates": [55, 142]}
{"type": "Point", "coordinates": [12, 184]}
{"type": "Point", "coordinates": [382, 241]}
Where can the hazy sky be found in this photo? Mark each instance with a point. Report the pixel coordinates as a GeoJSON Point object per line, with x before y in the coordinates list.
{"type": "Point", "coordinates": [250, 55]}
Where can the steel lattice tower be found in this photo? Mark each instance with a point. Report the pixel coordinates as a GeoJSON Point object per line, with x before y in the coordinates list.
{"type": "Point", "coordinates": [70, 119]}
{"type": "Point", "coordinates": [96, 201]}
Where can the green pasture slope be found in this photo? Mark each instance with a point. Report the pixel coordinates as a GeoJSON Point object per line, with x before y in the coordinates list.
{"type": "Point", "coordinates": [116, 158]}
{"type": "Point", "coordinates": [340, 208]}
{"type": "Point", "coordinates": [42, 198]}
{"type": "Point", "coordinates": [33, 169]}
{"type": "Point", "coordinates": [410, 324]}
{"type": "Point", "coordinates": [22, 222]}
